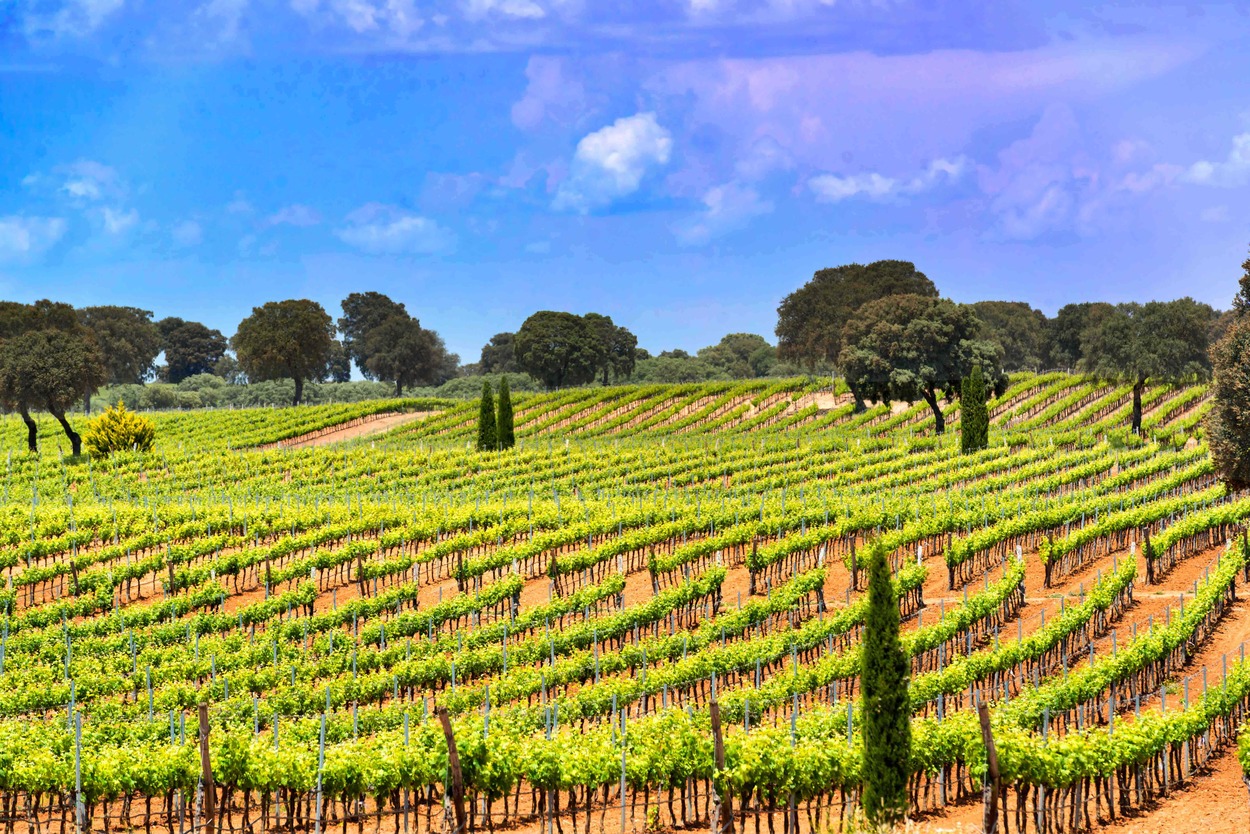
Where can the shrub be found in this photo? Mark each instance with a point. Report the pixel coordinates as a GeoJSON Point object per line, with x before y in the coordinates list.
{"type": "Point", "coordinates": [119, 430]}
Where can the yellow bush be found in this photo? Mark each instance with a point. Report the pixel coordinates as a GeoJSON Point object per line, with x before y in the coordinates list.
{"type": "Point", "coordinates": [119, 430]}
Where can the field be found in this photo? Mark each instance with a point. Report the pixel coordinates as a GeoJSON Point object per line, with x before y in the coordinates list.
{"type": "Point", "coordinates": [327, 579]}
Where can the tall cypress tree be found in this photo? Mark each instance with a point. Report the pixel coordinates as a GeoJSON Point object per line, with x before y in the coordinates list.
{"type": "Point", "coordinates": [507, 438]}
{"type": "Point", "coordinates": [974, 424]}
{"type": "Point", "coordinates": [487, 432]}
{"type": "Point", "coordinates": [886, 711]}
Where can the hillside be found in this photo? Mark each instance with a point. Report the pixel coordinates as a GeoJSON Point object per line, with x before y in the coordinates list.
{"type": "Point", "coordinates": [576, 603]}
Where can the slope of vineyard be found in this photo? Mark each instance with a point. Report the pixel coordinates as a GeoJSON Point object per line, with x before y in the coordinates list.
{"type": "Point", "coordinates": [576, 604]}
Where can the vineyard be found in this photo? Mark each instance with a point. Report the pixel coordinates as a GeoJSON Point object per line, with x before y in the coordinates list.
{"type": "Point", "coordinates": [397, 633]}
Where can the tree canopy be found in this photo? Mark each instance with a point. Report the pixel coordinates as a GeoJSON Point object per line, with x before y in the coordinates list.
{"type": "Point", "coordinates": [498, 356]}
{"type": "Point", "coordinates": [362, 312]}
{"type": "Point", "coordinates": [558, 349]}
{"type": "Point", "coordinates": [616, 347]}
{"type": "Point", "coordinates": [48, 365]}
{"type": "Point", "coordinates": [1164, 341]}
{"type": "Point", "coordinates": [913, 347]}
{"type": "Point", "coordinates": [399, 350]}
{"type": "Point", "coordinates": [741, 355]}
{"type": "Point", "coordinates": [1068, 327]}
{"type": "Point", "coordinates": [128, 339]}
{"type": "Point", "coordinates": [1019, 330]}
{"type": "Point", "coordinates": [811, 320]}
{"type": "Point", "coordinates": [190, 348]}
{"type": "Point", "coordinates": [285, 339]}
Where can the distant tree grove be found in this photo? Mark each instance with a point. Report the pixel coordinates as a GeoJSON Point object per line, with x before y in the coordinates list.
{"type": "Point", "coordinates": [882, 326]}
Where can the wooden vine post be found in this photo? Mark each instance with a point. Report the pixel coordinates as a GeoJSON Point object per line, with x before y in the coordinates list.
{"type": "Point", "coordinates": [990, 790]}
{"type": "Point", "coordinates": [206, 767]}
{"type": "Point", "coordinates": [722, 806]}
{"type": "Point", "coordinates": [457, 777]}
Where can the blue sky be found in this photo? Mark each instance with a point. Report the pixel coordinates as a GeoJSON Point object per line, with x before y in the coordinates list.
{"type": "Point", "coordinates": [678, 165]}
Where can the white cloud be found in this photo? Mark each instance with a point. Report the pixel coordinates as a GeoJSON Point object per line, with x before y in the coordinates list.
{"type": "Point", "coordinates": [525, 9]}
{"type": "Point", "coordinates": [89, 180]}
{"type": "Point", "coordinates": [295, 215]}
{"type": "Point", "coordinates": [611, 162]}
{"type": "Point", "coordinates": [549, 94]}
{"type": "Point", "coordinates": [117, 221]}
{"type": "Point", "coordinates": [387, 230]}
{"type": "Point", "coordinates": [830, 188]}
{"type": "Point", "coordinates": [398, 18]}
{"type": "Point", "coordinates": [728, 207]}
{"type": "Point", "coordinates": [187, 233]}
{"type": "Point", "coordinates": [75, 18]}
{"type": "Point", "coordinates": [1233, 171]}
{"type": "Point", "coordinates": [224, 15]}
{"type": "Point", "coordinates": [22, 237]}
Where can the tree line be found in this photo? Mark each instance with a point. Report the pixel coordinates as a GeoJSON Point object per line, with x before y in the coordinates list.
{"type": "Point", "coordinates": [883, 326]}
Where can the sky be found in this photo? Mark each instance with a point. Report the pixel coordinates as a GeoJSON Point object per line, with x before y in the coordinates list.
{"type": "Point", "coordinates": [679, 165]}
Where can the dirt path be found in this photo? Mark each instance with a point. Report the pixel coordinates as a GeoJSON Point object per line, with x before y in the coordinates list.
{"type": "Point", "coordinates": [323, 437]}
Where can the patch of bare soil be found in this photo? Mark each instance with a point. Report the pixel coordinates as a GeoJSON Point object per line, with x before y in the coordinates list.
{"type": "Point", "coordinates": [355, 429]}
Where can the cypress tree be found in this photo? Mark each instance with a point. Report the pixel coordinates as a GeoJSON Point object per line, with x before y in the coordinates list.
{"type": "Point", "coordinates": [487, 433]}
{"type": "Point", "coordinates": [886, 710]}
{"type": "Point", "coordinates": [507, 438]}
{"type": "Point", "coordinates": [974, 424]}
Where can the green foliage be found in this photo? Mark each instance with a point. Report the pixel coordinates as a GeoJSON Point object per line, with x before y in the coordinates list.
{"type": "Point", "coordinates": [974, 422]}
{"type": "Point", "coordinates": [291, 339]}
{"type": "Point", "coordinates": [362, 312]}
{"type": "Point", "coordinates": [487, 431]}
{"type": "Point", "coordinates": [190, 348]}
{"type": "Point", "coordinates": [1018, 329]}
{"type": "Point", "coordinates": [1164, 341]}
{"type": "Point", "coordinates": [811, 319]}
{"type": "Point", "coordinates": [119, 430]}
{"type": "Point", "coordinates": [498, 356]}
{"type": "Point", "coordinates": [913, 347]}
{"type": "Point", "coordinates": [49, 368]}
{"type": "Point", "coordinates": [558, 349]}
{"type": "Point", "coordinates": [1067, 327]}
{"type": "Point", "coordinates": [617, 347]}
{"type": "Point", "coordinates": [503, 425]}
{"type": "Point", "coordinates": [886, 709]}
{"type": "Point", "coordinates": [1228, 424]}
{"type": "Point", "coordinates": [128, 338]}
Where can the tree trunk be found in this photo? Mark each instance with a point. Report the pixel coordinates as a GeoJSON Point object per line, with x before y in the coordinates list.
{"type": "Point", "coordinates": [939, 419]}
{"type": "Point", "coordinates": [86, 401]}
{"type": "Point", "coordinates": [75, 441]}
{"type": "Point", "coordinates": [860, 408]}
{"type": "Point", "coordinates": [1138, 387]}
{"type": "Point", "coordinates": [32, 430]}
{"type": "Point", "coordinates": [399, 389]}
{"type": "Point", "coordinates": [299, 389]}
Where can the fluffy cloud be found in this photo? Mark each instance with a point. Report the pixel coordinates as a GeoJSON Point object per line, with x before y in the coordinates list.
{"type": "Point", "coordinates": [75, 18]}
{"type": "Point", "coordinates": [1233, 171]}
{"type": "Point", "coordinates": [728, 207]}
{"type": "Point", "coordinates": [525, 9]}
{"type": "Point", "coordinates": [295, 215]}
{"type": "Point", "coordinates": [23, 238]}
{"type": "Point", "coordinates": [549, 94]}
{"type": "Point", "coordinates": [831, 188]}
{"type": "Point", "coordinates": [611, 162]}
{"type": "Point", "coordinates": [396, 18]}
{"type": "Point", "coordinates": [85, 181]}
{"type": "Point", "coordinates": [387, 230]}
{"type": "Point", "coordinates": [118, 221]}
